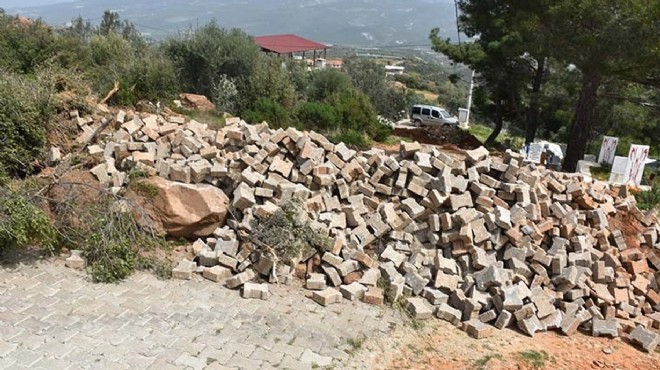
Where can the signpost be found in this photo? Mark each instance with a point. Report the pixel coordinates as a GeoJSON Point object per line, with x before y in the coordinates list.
{"type": "Point", "coordinates": [608, 149]}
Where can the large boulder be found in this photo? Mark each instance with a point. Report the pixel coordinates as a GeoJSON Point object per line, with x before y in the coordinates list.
{"type": "Point", "coordinates": [198, 102]}
{"type": "Point", "coordinates": [184, 210]}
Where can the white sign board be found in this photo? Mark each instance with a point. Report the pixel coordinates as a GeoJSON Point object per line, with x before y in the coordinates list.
{"type": "Point", "coordinates": [534, 152]}
{"type": "Point", "coordinates": [635, 167]}
{"type": "Point", "coordinates": [608, 149]}
{"type": "Point", "coordinates": [619, 165]}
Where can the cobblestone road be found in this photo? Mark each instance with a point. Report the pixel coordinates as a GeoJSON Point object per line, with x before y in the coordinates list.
{"type": "Point", "coordinates": [54, 318]}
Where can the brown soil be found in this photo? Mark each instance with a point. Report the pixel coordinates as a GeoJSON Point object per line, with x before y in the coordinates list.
{"type": "Point", "coordinates": [440, 136]}
{"type": "Point", "coordinates": [630, 227]}
{"type": "Point", "coordinates": [441, 346]}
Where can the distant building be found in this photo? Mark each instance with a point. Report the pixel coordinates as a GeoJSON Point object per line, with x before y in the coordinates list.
{"type": "Point", "coordinates": [394, 70]}
{"type": "Point", "coordinates": [291, 44]}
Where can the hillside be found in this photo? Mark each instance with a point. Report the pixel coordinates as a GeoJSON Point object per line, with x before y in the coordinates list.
{"type": "Point", "coordinates": [350, 22]}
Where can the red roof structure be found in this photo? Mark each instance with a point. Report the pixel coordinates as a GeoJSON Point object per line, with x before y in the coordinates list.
{"type": "Point", "coordinates": [286, 44]}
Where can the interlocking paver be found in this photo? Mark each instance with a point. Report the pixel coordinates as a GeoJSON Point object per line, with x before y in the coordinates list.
{"type": "Point", "coordinates": [67, 322]}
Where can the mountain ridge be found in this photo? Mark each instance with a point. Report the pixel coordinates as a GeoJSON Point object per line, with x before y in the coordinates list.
{"type": "Point", "coordinates": [366, 23]}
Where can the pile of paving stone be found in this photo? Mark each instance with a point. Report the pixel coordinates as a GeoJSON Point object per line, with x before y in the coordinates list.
{"type": "Point", "coordinates": [480, 241]}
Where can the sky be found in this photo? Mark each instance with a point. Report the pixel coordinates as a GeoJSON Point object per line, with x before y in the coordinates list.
{"type": "Point", "coordinates": [27, 3]}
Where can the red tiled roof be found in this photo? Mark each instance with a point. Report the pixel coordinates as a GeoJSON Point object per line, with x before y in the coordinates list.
{"type": "Point", "coordinates": [287, 44]}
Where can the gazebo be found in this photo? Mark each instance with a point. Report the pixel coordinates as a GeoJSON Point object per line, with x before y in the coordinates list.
{"type": "Point", "coordinates": [289, 44]}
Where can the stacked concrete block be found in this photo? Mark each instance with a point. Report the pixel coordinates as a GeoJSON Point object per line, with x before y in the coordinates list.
{"type": "Point", "coordinates": [489, 241]}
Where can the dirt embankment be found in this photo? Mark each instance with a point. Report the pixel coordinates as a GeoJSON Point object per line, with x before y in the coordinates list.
{"type": "Point", "coordinates": [440, 136]}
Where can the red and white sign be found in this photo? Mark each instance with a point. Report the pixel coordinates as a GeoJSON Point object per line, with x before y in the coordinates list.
{"type": "Point", "coordinates": [608, 149]}
{"type": "Point", "coordinates": [635, 167]}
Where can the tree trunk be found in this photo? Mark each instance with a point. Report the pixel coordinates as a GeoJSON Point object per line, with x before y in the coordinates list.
{"type": "Point", "coordinates": [499, 120]}
{"type": "Point", "coordinates": [534, 111]}
{"type": "Point", "coordinates": [583, 122]}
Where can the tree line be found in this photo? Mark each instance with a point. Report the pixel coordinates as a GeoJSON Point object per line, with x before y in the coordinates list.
{"type": "Point", "coordinates": [580, 68]}
{"type": "Point", "coordinates": [225, 65]}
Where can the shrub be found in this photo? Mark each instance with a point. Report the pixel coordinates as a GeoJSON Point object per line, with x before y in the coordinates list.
{"type": "Point", "coordinates": [268, 80]}
{"type": "Point", "coordinates": [23, 223]}
{"type": "Point", "coordinates": [318, 116]}
{"type": "Point", "coordinates": [649, 199]}
{"type": "Point", "coordinates": [286, 234]}
{"type": "Point", "coordinates": [25, 113]}
{"type": "Point", "coordinates": [351, 138]}
{"type": "Point", "coordinates": [325, 83]}
{"type": "Point", "coordinates": [225, 94]}
{"type": "Point", "coordinates": [270, 111]}
{"type": "Point", "coordinates": [201, 56]}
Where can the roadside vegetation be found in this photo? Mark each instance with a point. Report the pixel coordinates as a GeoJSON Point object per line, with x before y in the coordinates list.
{"type": "Point", "coordinates": [47, 72]}
{"type": "Point", "coordinates": [564, 71]}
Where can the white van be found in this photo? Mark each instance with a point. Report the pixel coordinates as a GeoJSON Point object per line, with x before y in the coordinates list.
{"type": "Point", "coordinates": [432, 116]}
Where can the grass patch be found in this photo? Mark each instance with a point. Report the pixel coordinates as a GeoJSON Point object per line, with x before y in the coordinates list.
{"type": "Point", "coordinates": [481, 363]}
{"type": "Point", "coordinates": [602, 172]}
{"type": "Point", "coordinates": [400, 305]}
{"type": "Point", "coordinates": [356, 344]}
{"type": "Point", "coordinates": [211, 118]}
{"type": "Point", "coordinates": [142, 188]}
{"type": "Point", "coordinates": [649, 199]}
{"type": "Point", "coordinates": [505, 139]}
{"type": "Point", "coordinates": [535, 359]}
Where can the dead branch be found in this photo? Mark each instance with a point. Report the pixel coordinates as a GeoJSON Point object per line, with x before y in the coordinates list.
{"type": "Point", "coordinates": [110, 93]}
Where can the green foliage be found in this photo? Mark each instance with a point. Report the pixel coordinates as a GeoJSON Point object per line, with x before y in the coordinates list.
{"type": "Point", "coordinates": [355, 344]}
{"type": "Point", "coordinates": [268, 80]}
{"type": "Point", "coordinates": [24, 46]}
{"type": "Point", "coordinates": [112, 241]}
{"type": "Point", "coordinates": [23, 223]}
{"type": "Point", "coordinates": [325, 83]}
{"type": "Point", "coordinates": [225, 94]}
{"type": "Point", "coordinates": [649, 199]}
{"type": "Point", "coordinates": [287, 233]}
{"type": "Point", "coordinates": [25, 113]}
{"type": "Point", "coordinates": [535, 359]}
{"type": "Point", "coordinates": [351, 138]}
{"type": "Point", "coordinates": [201, 56]}
{"type": "Point", "coordinates": [368, 76]}
{"type": "Point", "coordinates": [318, 116]}
{"type": "Point", "coordinates": [355, 110]}
{"type": "Point", "coordinates": [145, 189]}
{"type": "Point", "coordinates": [270, 111]}
{"type": "Point", "coordinates": [481, 363]}
{"type": "Point", "coordinates": [142, 74]}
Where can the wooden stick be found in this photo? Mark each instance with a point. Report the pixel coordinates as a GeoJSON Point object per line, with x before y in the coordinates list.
{"type": "Point", "coordinates": [110, 93]}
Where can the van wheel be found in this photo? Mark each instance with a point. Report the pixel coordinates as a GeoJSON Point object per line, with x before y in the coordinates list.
{"type": "Point", "coordinates": [417, 123]}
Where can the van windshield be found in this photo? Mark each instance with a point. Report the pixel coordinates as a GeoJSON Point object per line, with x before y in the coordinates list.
{"type": "Point", "coordinates": [444, 114]}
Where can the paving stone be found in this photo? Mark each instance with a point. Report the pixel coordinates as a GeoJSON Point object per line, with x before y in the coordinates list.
{"type": "Point", "coordinates": [477, 329]}
{"type": "Point", "coordinates": [605, 328]}
{"type": "Point", "coordinates": [327, 296]}
{"type": "Point", "coordinates": [419, 308]}
{"type": "Point", "coordinates": [645, 338]}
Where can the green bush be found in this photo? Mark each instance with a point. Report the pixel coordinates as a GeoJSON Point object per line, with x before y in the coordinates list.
{"type": "Point", "coordinates": [325, 83]}
{"type": "Point", "coordinates": [201, 56]}
{"type": "Point", "coordinates": [268, 80]}
{"type": "Point", "coordinates": [318, 116]}
{"type": "Point", "coordinates": [23, 223]}
{"type": "Point", "coordinates": [23, 47]}
{"type": "Point", "coordinates": [351, 138]}
{"type": "Point", "coordinates": [25, 112]}
{"type": "Point", "coordinates": [270, 111]}
{"type": "Point", "coordinates": [109, 254]}
{"type": "Point", "coordinates": [651, 198]}
{"type": "Point", "coordinates": [286, 234]}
